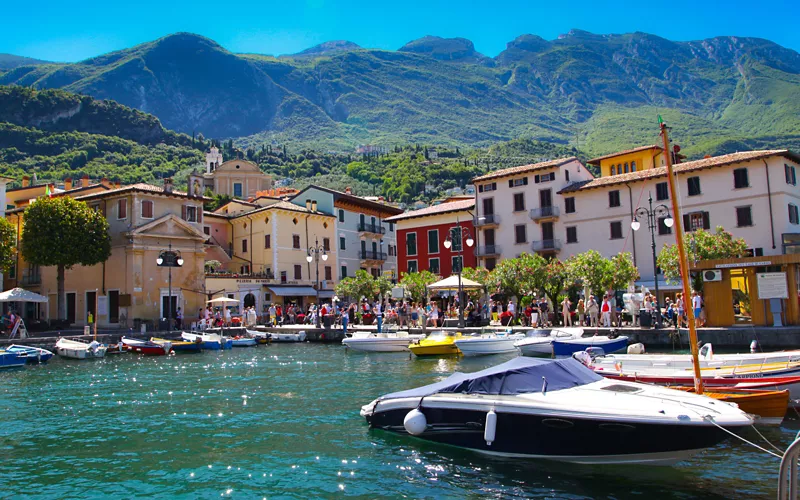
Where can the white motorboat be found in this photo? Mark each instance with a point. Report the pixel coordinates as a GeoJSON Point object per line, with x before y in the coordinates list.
{"type": "Point", "coordinates": [540, 342]}
{"type": "Point", "coordinates": [489, 343]}
{"type": "Point", "coordinates": [209, 341]}
{"type": "Point", "coordinates": [558, 410]}
{"type": "Point", "coordinates": [381, 342]}
{"type": "Point", "coordinates": [80, 350]}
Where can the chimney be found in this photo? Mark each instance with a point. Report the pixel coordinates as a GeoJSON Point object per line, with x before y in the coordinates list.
{"type": "Point", "coordinates": [104, 181]}
{"type": "Point", "coordinates": [168, 184]}
{"type": "Point", "coordinates": [68, 183]}
{"type": "Point", "coordinates": [26, 181]}
{"type": "Point", "coordinates": [118, 184]}
{"type": "Point", "coordinates": [85, 180]}
{"type": "Point", "coordinates": [348, 190]}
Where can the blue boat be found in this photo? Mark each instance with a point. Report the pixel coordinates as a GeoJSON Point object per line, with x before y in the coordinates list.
{"type": "Point", "coordinates": [33, 354]}
{"type": "Point", "coordinates": [209, 342]}
{"type": "Point", "coordinates": [608, 345]}
{"type": "Point", "coordinates": [10, 359]}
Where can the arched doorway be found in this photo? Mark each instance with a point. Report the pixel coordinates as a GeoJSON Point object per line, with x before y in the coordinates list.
{"type": "Point", "coordinates": [249, 300]}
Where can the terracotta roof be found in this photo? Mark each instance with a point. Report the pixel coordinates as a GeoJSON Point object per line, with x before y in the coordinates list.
{"type": "Point", "coordinates": [442, 208]}
{"type": "Point", "coordinates": [142, 188]}
{"type": "Point", "coordinates": [524, 168]}
{"type": "Point", "coordinates": [356, 200]}
{"type": "Point", "coordinates": [596, 161]}
{"type": "Point", "coordinates": [283, 205]}
{"type": "Point", "coordinates": [689, 166]}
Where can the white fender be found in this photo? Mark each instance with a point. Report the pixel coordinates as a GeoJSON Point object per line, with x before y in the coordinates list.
{"type": "Point", "coordinates": [415, 422]}
{"type": "Point", "coordinates": [637, 348]}
{"type": "Point", "coordinates": [754, 346]}
{"type": "Point", "coordinates": [490, 430]}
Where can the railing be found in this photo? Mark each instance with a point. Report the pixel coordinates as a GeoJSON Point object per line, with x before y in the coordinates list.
{"type": "Point", "coordinates": [546, 246]}
{"type": "Point", "coordinates": [364, 227]}
{"type": "Point", "coordinates": [372, 255]}
{"type": "Point", "coordinates": [31, 279]}
{"type": "Point", "coordinates": [487, 250]}
{"type": "Point", "coordinates": [486, 220]}
{"type": "Point", "coordinates": [787, 474]}
{"type": "Point", "coordinates": [231, 274]}
{"type": "Point", "coordinates": [545, 212]}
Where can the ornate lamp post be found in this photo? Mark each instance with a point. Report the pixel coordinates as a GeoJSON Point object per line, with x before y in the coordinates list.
{"type": "Point", "coordinates": [314, 254]}
{"type": "Point", "coordinates": [652, 216]}
{"type": "Point", "coordinates": [169, 259]}
{"type": "Point", "coordinates": [462, 236]}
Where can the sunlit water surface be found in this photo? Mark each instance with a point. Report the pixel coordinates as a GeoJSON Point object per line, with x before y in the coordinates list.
{"type": "Point", "coordinates": [282, 421]}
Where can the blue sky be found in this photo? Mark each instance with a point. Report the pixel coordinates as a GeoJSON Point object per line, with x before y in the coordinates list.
{"type": "Point", "coordinates": [71, 31]}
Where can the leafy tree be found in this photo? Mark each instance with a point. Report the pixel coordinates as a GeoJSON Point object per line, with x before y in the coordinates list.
{"type": "Point", "coordinates": [623, 271]}
{"type": "Point", "coordinates": [520, 276]}
{"type": "Point", "coordinates": [363, 284]}
{"type": "Point", "coordinates": [64, 232]}
{"type": "Point", "coordinates": [8, 241]}
{"type": "Point", "coordinates": [557, 280]}
{"type": "Point", "coordinates": [416, 284]}
{"type": "Point", "coordinates": [479, 275]}
{"type": "Point", "coordinates": [599, 274]}
{"type": "Point", "coordinates": [700, 245]}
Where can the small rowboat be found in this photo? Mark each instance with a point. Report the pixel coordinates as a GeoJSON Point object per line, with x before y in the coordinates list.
{"type": "Point", "coordinates": [180, 345]}
{"type": "Point", "coordinates": [33, 355]}
{"type": "Point", "coordinates": [769, 406]}
{"type": "Point", "coordinates": [80, 350]}
{"type": "Point", "coordinates": [11, 359]}
{"type": "Point", "coordinates": [243, 342]}
{"type": "Point", "coordinates": [146, 347]}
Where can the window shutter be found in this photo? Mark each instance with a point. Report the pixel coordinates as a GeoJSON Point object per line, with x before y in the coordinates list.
{"type": "Point", "coordinates": [536, 179]}
{"type": "Point", "coordinates": [183, 212]}
{"type": "Point", "coordinates": [525, 181]}
{"type": "Point", "coordinates": [706, 221]}
{"type": "Point", "coordinates": [511, 183]}
{"type": "Point", "coordinates": [200, 214]}
{"type": "Point", "coordinates": [686, 222]}
{"type": "Point", "coordinates": [480, 188]}
{"type": "Point", "coordinates": [494, 186]}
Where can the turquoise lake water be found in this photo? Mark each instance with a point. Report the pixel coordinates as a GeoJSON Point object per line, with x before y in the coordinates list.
{"type": "Point", "coordinates": [282, 421]}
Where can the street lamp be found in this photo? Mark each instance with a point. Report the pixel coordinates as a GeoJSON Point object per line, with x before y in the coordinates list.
{"type": "Point", "coordinates": [652, 216]}
{"type": "Point", "coordinates": [314, 253]}
{"type": "Point", "coordinates": [465, 237]}
{"type": "Point", "coordinates": [169, 259]}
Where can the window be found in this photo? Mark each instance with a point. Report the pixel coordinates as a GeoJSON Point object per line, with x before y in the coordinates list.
{"type": "Point", "coordinates": [456, 239]}
{"type": "Point", "coordinates": [328, 273]}
{"type": "Point", "coordinates": [662, 228]}
{"type": "Point", "coordinates": [283, 276]}
{"type": "Point", "coordinates": [433, 265]}
{"type": "Point", "coordinates": [633, 166]}
{"type": "Point", "coordinates": [341, 243]}
{"type": "Point", "coordinates": [616, 230]}
{"type": "Point", "coordinates": [207, 230]}
{"type": "Point", "coordinates": [411, 244]}
{"type": "Point", "coordinates": [695, 221]}
{"type": "Point", "coordinates": [391, 227]}
{"type": "Point", "coordinates": [520, 233]}
{"type": "Point", "coordinates": [544, 178]}
{"type": "Point", "coordinates": [693, 183]}
{"type": "Point", "coordinates": [190, 214]}
{"type": "Point", "coordinates": [341, 215]}
{"type": "Point", "coordinates": [343, 272]}
{"type": "Point", "coordinates": [613, 199]}
{"type": "Point", "coordinates": [298, 272]}
{"type": "Point", "coordinates": [569, 205]}
{"type": "Point", "coordinates": [744, 217]}
{"type": "Point", "coordinates": [457, 263]}
{"type": "Point", "coordinates": [122, 209]}
{"type": "Point", "coordinates": [793, 214]}
{"type": "Point", "coordinates": [613, 170]}
{"type": "Point", "coordinates": [433, 241]}
{"type": "Point", "coordinates": [147, 209]}
{"type": "Point", "coordinates": [572, 234]}
{"type": "Point", "coordinates": [740, 179]}
{"type": "Point", "coordinates": [566, 175]}
{"type": "Point", "coordinates": [662, 191]}
{"type": "Point", "coordinates": [237, 189]}
{"type": "Point", "coordinates": [296, 241]}
{"type": "Point", "coordinates": [791, 175]}
{"type": "Point", "coordinates": [326, 244]}
{"type": "Point", "coordinates": [267, 241]}
{"type": "Point", "coordinates": [519, 202]}
{"type": "Point", "coordinates": [244, 246]}
{"type": "Point", "coordinates": [485, 188]}
{"type": "Point", "coordinates": [626, 168]}
{"type": "Point", "coordinates": [491, 263]}
{"type": "Point", "coordinates": [518, 182]}
{"type": "Point", "coordinates": [412, 266]}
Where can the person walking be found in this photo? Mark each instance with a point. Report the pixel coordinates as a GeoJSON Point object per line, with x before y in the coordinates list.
{"type": "Point", "coordinates": [593, 309]}
{"type": "Point", "coordinates": [227, 316]}
{"type": "Point", "coordinates": [378, 309]}
{"type": "Point", "coordinates": [178, 319]}
{"type": "Point", "coordinates": [697, 306]}
{"type": "Point", "coordinates": [565, 305]}
{"type": "Point", "coordinates": [605, 311]}
{"type": "Point", "coordinates": [512, 309]}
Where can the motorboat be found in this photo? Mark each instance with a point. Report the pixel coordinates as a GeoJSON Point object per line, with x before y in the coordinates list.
{"type": "Point", "coordinates": [707, 359]}
{"type": "Point", "coordinates": [12, 359]}
{"type": "Point", "coordinates": [566, 347]}
{"type": "Point", "coordinates": [146, 347]}
{"type": "Point", "coordinates": [243, 342]}
{"type": "Point", "coordinates": [540, 342]}
{"type": "Point", "coordinates": [261, 337]}
{"type": "Point", "coordinates": [438, 343]}
{"type": "Point", "coordinates": [80, 350]}
{"type": "Point", "coordinates": [558, 409]}
{"type": "Point", "coordinates": [288, 336]}
{"type": "Point", "coordinates": [488, 343]}
{"type": "Point", "coordinates": [381, 342]}
{"type": "Point", "coordinates": [208, 341]}
{"type": "Point", "coordinates": [180, 345]}
{"type": "Point", "coordinates": [33, 355]}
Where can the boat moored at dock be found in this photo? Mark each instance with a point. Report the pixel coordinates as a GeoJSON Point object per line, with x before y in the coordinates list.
{"type": "Point", "coordinates": [381, 342]}
{"type": "Point", "coordinates": [439, 343]}
{"type": "Point", "coordinates": [488, 343]}
{"type": "Point", "coordinates": [32, 354]}
{"type": "Point", "coordinates": [12, 359]}
{"type": "Point", "coordinates": [540, 342]}
{"type": "Point", "coordinates": [75, 349]}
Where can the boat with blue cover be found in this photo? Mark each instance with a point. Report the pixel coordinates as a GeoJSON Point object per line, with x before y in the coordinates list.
{"type": "Point", "coordinates": [209, 341]}
{"type": "Point", "coordinates": [566, 347]}
{"type": "Point", "coordinates": [32, 354]}
{"type": "Point", "coordinates": [558, 409]}
{"type": "Point", "coordinates": [11, 359]}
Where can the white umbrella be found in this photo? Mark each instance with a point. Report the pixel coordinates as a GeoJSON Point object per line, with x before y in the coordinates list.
{"type": "Point", "coordinates": [451, 283]}
{"type": "Point", "coordinates": [21, 295]}
{"type": "Point", "coordinates": [223, 300]}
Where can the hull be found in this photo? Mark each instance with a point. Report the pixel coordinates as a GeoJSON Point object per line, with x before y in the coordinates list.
{"type": "Point", "coordinates": [80, 350]}
{"type": "Point", "coordinates": [377, 344]}
{"type": "Point", "coordinates": [9, 359]}
{"type": "Point", "coordinates": [435, 350]}
{"type": "Point", "coordinates": [243, 342]}
{"type": "Point", "coordinates": [684, 361]}
{"type": "Point", "coordinates": [180, 345]}
{"type": "Point", "coordinates": [147, 347]}
{"type": "Point", "coordinates": [567, 347]}
{"type": "Point", "coordinates": [288, 337]}
{"type": "Point", "coordinates": [33, 355]}
{"type": "Point", "coordinates": [485, 347]}
{"type": "Point", "coordinates": [209, 342]}
{"type": "Point", "coordinates": [544, 348]}
{"type": "Point", "coordinates": [769, 406]}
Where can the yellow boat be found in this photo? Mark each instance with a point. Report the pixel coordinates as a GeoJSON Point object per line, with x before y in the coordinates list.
{"type": "Point", "coordinates": [437, 344]}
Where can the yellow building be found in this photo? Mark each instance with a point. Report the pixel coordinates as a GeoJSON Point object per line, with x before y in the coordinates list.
{"type": "Point", "coordinates": [632, 160]}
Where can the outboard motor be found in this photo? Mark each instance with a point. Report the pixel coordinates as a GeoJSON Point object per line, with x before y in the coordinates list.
{"type": "Point", "coordinates": [583, 357]}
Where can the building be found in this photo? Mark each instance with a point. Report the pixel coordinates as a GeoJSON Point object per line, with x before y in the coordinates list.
{"type": "Point", "coordinates": [364, 239]}
{"type": "Point", "coordinates": [422, 233]}
{"type": "Point", "coordinates": [239, 179]}
{"type": "Point", "coordinates": [518, 210]}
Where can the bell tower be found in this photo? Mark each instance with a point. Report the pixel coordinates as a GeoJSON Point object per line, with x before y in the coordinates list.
{"type": "Point", "coordinates": [213, 159]}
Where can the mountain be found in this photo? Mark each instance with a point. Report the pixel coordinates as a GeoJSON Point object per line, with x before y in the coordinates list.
{"type": "Point", "coordinates": [9, 61]}
{"type": "Point", "coordinates": [720, 92]}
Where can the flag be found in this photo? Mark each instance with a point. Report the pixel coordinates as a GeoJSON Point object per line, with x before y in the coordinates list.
{"type": "Point", "coordinates": [47, 191]}
{"type": "Point", "coordinates": [660, 120]}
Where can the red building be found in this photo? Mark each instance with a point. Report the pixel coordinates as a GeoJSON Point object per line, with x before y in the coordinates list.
{"type": "Point", "coordinates": [421, 236]}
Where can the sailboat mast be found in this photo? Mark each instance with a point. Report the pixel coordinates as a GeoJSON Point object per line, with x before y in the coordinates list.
{"type": "Point", "coordinates": [682, 260]}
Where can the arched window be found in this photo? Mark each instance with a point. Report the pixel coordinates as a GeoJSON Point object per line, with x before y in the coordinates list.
{"type": "Point", "coordinates": [612, 169]}
{"type": "Point", "coordinates": [633, 166]}
{"type": "Point", "coordinates": [626, 167]}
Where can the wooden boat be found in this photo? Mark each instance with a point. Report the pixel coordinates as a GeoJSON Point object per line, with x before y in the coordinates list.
{"type": "Point", "coordinates": [180, 345]}
{"type": "Point", "coordinates": [146, 347]}
{"type": "Point", "coordinates": [33, 355]}
{"type": "Point", "coordinates": [12, 359]}
{"type": "Point", "coordinates": [769, 406]}
{"type": "Point", "coordinates": [117, 348]}
{"type": "Point", "coordinates": [707, 359]}
{"type": "Point", "coordinates": [80, 350]}
{"type": "Point", "coordinates": [437, 344]}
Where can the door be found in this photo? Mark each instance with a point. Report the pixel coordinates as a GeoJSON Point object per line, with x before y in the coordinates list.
{"type": "Point", "coordinates": [91, 305]}
{"type": "Point", "coordinates": [169, 305]}
{"type": "Point", "coordinates": [363, 249]}
{"type": "Point", "coordinates": [72, 305]}
{"type": "Point", "coordinates": [545, 198]}
{"type": "Point", "coordinates": [113, 306]}
{"type": "Point", "coordinates": [547, 234]}
{"type": "Point", "coordinates": [488, 206]}
{"type": "Point", "coordinates": [488, 239]}
{"type": "Point", "coordinates": [374, 249]}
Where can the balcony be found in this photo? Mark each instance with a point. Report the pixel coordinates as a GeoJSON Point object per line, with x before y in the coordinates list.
{"type": "Point", "coordinates": [31, 279]}
{"type": "Point", "coordinates": [488, 250]}
{"type": "Point", "coordinates": [541, 213]}
{"type": "Point", "coordinates": [486, 220]}
{"type": "Point", "coordinates": [544, 246]}
{"type": "Point", "coordinates": [373, 255]}
{"type": "Point", "coordinates": [364, 227]}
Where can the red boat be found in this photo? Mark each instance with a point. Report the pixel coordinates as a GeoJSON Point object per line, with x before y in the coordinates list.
{"type": "Point", "coordinates": [146, 347]}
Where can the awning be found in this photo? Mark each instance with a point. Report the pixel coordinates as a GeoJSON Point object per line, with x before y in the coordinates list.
{"type": "Point", "coordinates": [663, 285]}
{"type": "Point", "coordinates": [21, 295]}
{"type": "Point", "coordinates": [294, 291]}
{"type": "Point", "coordinates": [451, 283]}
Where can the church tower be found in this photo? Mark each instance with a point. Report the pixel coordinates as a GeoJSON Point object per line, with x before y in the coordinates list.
{"type": "Point", "coordinates": [213, 159]}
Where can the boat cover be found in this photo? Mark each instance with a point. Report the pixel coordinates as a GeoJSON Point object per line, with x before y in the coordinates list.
{"type": "Point", "coordinates": [518, 376]}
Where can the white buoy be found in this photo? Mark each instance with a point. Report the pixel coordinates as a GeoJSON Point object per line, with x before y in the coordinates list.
{"type": "Point", "coordinates": [491, 427]}
{"type": "Point", "coordinates": [415, 422]}
{"type": "Point", "coordinates": [637, 348]}
{"type": "Point", "coordinates": [754, 346]}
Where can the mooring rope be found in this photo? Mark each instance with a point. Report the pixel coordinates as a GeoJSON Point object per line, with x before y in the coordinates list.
{"type": "Point", "coordinates": [767, 440]}
{"type": "Point", "coordinates": [711, 419]}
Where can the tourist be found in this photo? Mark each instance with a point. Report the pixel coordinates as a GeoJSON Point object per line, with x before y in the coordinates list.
{"type": "Point", "coordinates": [679, 305]}
{"type": "Point", "coordinates": [402, 314]}
{"type": "Point", "coordinates": [227, 316]}
{"type": "Point", "coordinates": [495, 313]}
{"type": "Point", "coordinates": [535, 314]}
{"type": "Point", "coordinates": [512, 309]}
{"type": "Point", "coordinates": [612, 302]}
{"type": "Point", "coordinates": [273, 315]}
{"type": "Point", "coordinates": [379, 315]}
{"type": "Point", "coordinates": [697, 304]}
{"type": "Point", "coordinates": [605, 311]}
{"type": "Point", "coordinates": [527, 315]}
{"type": "Point", "coordinates": [434, 317]}
{"type": "Point", "coordinates": [544, 310]}
{"type": "Point", "coordinates": [178, 319]}
{"type": "Point", "coordinates": [593, 309]}
{"type": "Point", "coordinates": [580, 309]}
{"type": "Point", "coordinates": [565, 305]}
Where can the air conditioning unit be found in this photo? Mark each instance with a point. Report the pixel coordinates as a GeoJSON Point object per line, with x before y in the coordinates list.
{"type": "Point", "coordinates": [712, 275]}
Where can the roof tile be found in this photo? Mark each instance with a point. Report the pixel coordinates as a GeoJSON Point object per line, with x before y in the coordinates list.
{"type": "Point", "coordinates": [524, 168]}
{"type": "Point", "coordinates": [442, 208]}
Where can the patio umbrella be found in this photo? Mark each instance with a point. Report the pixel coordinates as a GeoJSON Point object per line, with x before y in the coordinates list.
{"type": "Point", "coordinates": [21, 295]}
{"type": "Point", "coordinates": [451, 283]}
{"type": "Point", "coordinates": [223, 300]}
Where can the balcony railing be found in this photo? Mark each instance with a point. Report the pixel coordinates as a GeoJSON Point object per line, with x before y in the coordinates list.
{"type": "Point", "coordinates": [487, 250]}
{"type": "Point", "coordinates": [546, 245]}
{"type": "Point", "coordinates": [31, 279]}
{"type": "Point", "coordinates": [372, 255]}
{"type": "Point", "coordinates": [231, 274]}
{"type": "Point", "coordinates": [487, 220]}
{"type": "Point", "coordinates": [364, 227]}
{"type": "Point", "coordinates": [545, 212]}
